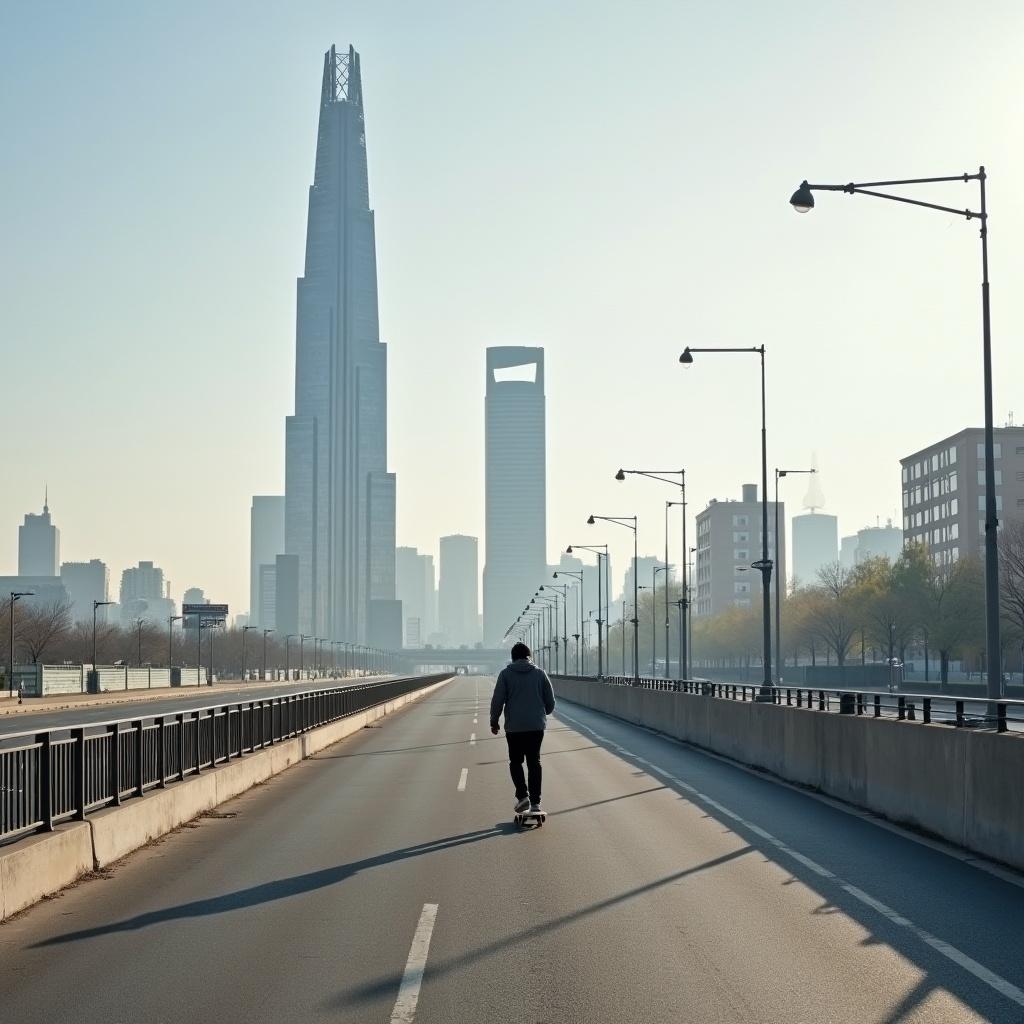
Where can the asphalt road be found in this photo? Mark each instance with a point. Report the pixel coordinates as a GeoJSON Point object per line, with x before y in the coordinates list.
{"type": "Point", "coordinates": [147, 706]}
{"type": "Point", "coordinates": [667, 886]}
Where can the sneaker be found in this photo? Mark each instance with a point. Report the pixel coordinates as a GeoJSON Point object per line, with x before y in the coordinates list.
{"type": "Point", "coordinates": [535, 808]}
{"type": "Point", "coordinates": [521, 804]}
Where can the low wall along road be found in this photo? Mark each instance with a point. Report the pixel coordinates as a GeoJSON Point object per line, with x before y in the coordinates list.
{"type": "Point", "coordinates": [168, 769]}
{"type": "Point", "coordinates": [962, 785]}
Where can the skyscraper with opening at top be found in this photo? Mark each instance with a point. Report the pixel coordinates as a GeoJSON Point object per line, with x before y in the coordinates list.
{"type": "Point", "coordinates": [339, 496]}
{"type": "Point", "coordinates": [515, 560]}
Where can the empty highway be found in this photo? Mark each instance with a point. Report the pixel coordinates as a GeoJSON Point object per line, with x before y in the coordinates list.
{"type": "Point", "coordinates": [383, 881]}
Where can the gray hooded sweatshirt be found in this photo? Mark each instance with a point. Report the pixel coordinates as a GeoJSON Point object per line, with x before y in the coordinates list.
{"type": "Point", "coordinates": [524, 692]}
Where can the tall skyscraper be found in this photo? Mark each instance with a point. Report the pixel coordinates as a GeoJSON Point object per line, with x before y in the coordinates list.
{"type": "Point", "coordinates": [457, 593]}
{"type": "Point", "coordinates": [336, 482]}
{"type": "Point", "coordinates": [86, 582]}
{"type": "Point", "coordinates": [145, 594]}
{"type": "Point", "coordinates": [516, 503]}
{"type": "Point", "coordinates": [266, 542]}
{"type": "Point", "coordinates": [39, 545]}
{"type": "Point", "coordinates": [815, 535]}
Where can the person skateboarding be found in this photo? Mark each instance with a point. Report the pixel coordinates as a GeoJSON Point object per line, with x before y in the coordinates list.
{"type": "Point", "coordinates": [523, 691]}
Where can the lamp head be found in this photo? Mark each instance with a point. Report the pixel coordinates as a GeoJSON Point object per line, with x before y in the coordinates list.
{"type": "Point", "coordinates": [568, 550]}
{"type": "Point", "coordinates": [620, 475]}
{"type": "Point", "coordinates": [590, 521]}
{"type": "Point", "coordinates": [687, 357]}
{"type": "Point", "coordinates": [554, 575]}
{"type": "Point", "coordinates": [802, 199]}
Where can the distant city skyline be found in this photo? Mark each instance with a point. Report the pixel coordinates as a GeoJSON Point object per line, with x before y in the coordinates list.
{"type": "Point", "coordinates": [586, 250]}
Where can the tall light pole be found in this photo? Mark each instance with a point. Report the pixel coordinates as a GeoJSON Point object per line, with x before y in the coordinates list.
{"type": "Point", "coordinates": [579, 607]}
{"type": "Point", "coordinates": [95, 605]}
{"type": "Point", "coordinates": [564, 588]}
{"type": "Point", "coordinates": [302, 639]}
{"type": "Point", "coordinates": [778, 574]}
{"type": "Point", "coordinates": [803, 201]}
{"type": "Point", "coordinates": [601, 550]}
{"type": "Point", "coordinates": [138, 626]}
{"type": "Point", "coordinates": [765, 564]}
{"type": "Point", "coordinates": [550, 633]}
{"type": "Point", "coordinates": [665, 476]}
{"type": "Point", "coordinates": [263, 670]}
{"type": "Point", "coordinates": [630, 522]}
{"type": "Point", "coordinates": [287, 657]}
{"type": "Point", "coordinates": [171, 620]}
{"type": "Point", "coordinates": [654, 625]}
{"type": "Point", "coordinates": [245, 629]}
{"type": "Point", "coordinates": [16, 595]}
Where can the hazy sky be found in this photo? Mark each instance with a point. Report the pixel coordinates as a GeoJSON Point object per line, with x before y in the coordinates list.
{"type": "Point", "coordinates": [607, 180]}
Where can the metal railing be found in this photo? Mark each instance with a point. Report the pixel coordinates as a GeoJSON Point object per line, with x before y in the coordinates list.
{"type": "Point", "coordinates": [66, 772]}
{"type": "Point", "coordinates": [960, 712]}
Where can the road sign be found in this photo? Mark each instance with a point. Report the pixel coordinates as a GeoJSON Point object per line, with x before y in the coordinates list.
{"type": "Point", "coordinates": [205, 612]}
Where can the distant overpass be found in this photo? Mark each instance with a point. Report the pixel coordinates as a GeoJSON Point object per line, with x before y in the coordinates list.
{"type": "Point", "coordinates": [473, 659]}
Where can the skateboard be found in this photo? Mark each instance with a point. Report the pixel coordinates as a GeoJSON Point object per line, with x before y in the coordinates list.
{"type": "Point", "coordinates": [533, 818]}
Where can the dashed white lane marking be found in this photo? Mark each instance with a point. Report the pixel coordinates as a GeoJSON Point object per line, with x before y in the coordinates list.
{"type": "Point", "coordinates": [472, 739]}
{"type": "Point", "coordinates": [409, 990]}
{"type": "Point", "coordinates": [982, 973]}
{"type": "Point", "coordinates": [462, 780]}
{"type": "Point", "coordinates": [474, 721]}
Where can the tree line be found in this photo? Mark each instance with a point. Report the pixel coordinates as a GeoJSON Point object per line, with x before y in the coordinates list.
{"type": "Point", "coordinates": [876, 610]}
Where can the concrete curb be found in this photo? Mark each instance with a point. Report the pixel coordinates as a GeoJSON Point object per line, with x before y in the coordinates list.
{"type": "Point", "coordinates": [43, 864]}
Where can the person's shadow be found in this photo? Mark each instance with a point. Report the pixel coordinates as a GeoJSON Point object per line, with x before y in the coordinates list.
{"type": "Point", "coordinates": [282, 888]}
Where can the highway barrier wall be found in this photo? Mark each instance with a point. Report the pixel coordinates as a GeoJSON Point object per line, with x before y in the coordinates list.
{"type": "Point", "coordinates": [962, 785]}
{"type": "Point", "coordinates": [42, 864]}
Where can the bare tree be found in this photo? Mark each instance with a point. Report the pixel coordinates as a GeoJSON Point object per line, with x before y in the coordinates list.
{"type": "Point", "coordinates": [833, 615]}
{"type": "Point", "coordinates": [1011, 572]}
{"type": "Point", "coordinates": [41, 626]}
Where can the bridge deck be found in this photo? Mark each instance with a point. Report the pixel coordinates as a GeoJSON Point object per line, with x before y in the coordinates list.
{"type": "Point", "coordinates": [666, 886]}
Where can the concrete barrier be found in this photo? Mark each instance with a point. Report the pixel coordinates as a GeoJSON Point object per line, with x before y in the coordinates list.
{"type": "Point", "coordinates": [961, 785]}
{"type": "Point", "coordinates": [42, 864]}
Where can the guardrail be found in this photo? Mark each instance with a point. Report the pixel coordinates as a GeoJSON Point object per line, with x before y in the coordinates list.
{"type": "Point", "coordinates": [67, 772]}
{"type": "Point", "coordinates": [961, 712]}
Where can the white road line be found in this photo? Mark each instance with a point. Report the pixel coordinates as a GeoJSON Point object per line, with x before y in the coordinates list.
{"type": "Point", "coordinates": [979, 971]}
{"type": "Point", "coordinates": [462, 780]}
{"type": "Point", "coordinates": [409, 990]}
{"type": "Point", "coordinates": [474, 721]}
{"type": "Point", "coordinates": [472, 739]}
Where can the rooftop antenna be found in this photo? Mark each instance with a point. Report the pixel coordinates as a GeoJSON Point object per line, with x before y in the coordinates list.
{"type": "Point", "coordinates": [46, 497]}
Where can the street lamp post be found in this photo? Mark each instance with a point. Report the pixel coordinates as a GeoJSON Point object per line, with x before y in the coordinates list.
{"type": "Point", "coordinates": [779, 658]}
{"type": "Point", "coordinates": [564, 588]}
{"type": "Point", "coordinates": [601, 550]}
{"type": "Point", "coordinates": [302, 640]}
{"type": "Point", "coordinates": [549, 634]}
{"type": "Point", "coordinates": [803, 200]}
{"type": "Point", "coordinates": [95, 605]}
{"type": "Point", "coordinates": [579, 608]}
{"type": "Point", "coordinates": [171, 620]}
{"type": "Point", "coordinates": [245, 629]}
{"type": "Point", "coordinates": [654, 626]}
{"type": "Point", "coordinates": [665, 475]}
{"type": "Point", "coordinates": [263, 669]}
{"type": "Point", "coordinates": [287, 657]}
{"type": "Point", "coordinates": [765, 564]}
{"type": "Point", "coordinates": [630, 522]}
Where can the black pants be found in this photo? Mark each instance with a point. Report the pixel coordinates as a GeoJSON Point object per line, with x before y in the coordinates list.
{"type": "Point", "coordinates": [525, 745]}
